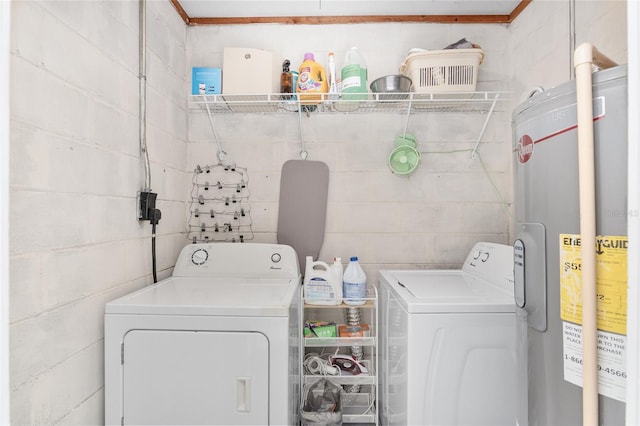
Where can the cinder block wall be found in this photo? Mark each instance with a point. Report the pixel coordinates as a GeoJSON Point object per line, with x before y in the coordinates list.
{"type": "Point", "coordinates": [430, 219]}
{"type": "Point", "coordinates": [542, 53]}
{"type": "Point", "coordinates": [76, 167]}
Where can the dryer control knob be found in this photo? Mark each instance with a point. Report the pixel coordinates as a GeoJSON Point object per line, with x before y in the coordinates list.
{"type": "Point", "coordinates": [276, 257]}
{"type": "Point", "coordinates": [199, 257]}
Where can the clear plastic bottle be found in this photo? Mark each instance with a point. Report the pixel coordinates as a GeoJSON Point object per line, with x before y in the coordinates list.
{"type": "Point", "coordinates": [354, 76]}
{"type": "Point", "coordinates": [354, 283]}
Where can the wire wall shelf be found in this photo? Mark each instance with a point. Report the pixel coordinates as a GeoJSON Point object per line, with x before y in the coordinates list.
{"type": "Point", "coordinates": [403, 103]}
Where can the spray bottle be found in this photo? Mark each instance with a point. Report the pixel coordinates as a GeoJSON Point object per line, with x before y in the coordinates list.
{"type": "Point", "coordinates": [286, 79]}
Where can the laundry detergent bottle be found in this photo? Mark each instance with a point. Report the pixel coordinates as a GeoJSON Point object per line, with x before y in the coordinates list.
{"type": "Point", "coordinates": [312, 81]}
{"type": "Point", "coordinates": [354, 284]}
{"type": "Point", "coordinates": [319, 285]}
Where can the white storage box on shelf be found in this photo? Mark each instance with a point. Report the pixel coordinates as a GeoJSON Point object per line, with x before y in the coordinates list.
{"type": "Point", "coordinates": [439, 71]}
{"type": "Point", "coordinates": [251, 75]}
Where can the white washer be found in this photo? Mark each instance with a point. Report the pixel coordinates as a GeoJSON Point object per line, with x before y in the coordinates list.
{"type": "Point", "coordinates": [216, 343]}
{"type": "Point", "coordinates": [448, 342]}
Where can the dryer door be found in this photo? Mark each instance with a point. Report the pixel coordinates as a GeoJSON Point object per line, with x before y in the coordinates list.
{"type": "Point", "coordinates": [195, 377]}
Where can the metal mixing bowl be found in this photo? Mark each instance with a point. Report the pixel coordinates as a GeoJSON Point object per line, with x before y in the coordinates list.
{"type": "Point", "coordinates": [392, 87]}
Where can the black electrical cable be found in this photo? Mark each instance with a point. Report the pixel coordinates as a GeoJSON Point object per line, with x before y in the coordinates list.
{"type": "Point", "coordinates": [155, 218]}
{"type": "Point", "coordinates": [153, 251]}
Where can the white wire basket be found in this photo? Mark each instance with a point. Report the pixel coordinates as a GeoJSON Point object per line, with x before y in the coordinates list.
{"type": "Point", "coordinates": [438, 71]}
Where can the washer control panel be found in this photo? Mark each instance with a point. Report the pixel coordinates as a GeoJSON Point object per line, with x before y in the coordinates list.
{"type": "Point", "coordinates": [237, 260]}
{"type": "Point", "coordinates": [492, 262]}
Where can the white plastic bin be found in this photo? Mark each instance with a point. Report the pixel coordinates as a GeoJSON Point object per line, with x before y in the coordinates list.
{"type": "Point", "coordinates": [436, 71]}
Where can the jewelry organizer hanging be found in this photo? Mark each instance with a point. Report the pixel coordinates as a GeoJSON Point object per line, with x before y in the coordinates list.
{"type": "Point", "coordinates": [220, 209]}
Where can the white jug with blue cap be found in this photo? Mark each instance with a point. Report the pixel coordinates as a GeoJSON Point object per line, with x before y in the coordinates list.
{"type": "Point", "coordinates": [320, 286]}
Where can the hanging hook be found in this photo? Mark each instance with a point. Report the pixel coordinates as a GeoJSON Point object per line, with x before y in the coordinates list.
{"type": "Point", "coordinates": [303, 151]}
{"type": "Point", "coordinates": [221, 152]}
{"type": "Point", "coordinates": [406, 123]}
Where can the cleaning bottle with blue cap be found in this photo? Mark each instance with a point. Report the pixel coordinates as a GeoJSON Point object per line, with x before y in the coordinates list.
{"type": "Point", "coordinates": [320, 286]}
{"type": "Point", "coordinates": [354, 283]}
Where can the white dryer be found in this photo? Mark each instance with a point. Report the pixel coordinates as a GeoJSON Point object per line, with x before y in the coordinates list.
{"type": "Point", "coordinates": [216, 343]}
{"type": "Point", "coordinates": [448, 342]}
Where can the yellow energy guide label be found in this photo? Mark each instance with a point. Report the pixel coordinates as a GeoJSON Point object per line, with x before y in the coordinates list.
{"type": "Point", "coordinates": [611, 289]}
{"type": "Point", "coordinates": [611, 281]}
